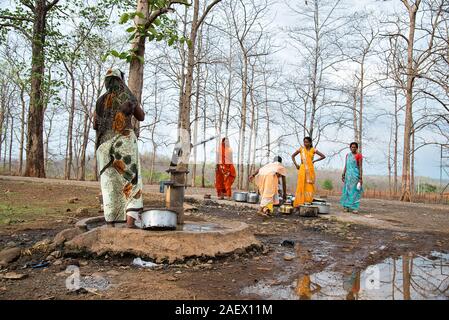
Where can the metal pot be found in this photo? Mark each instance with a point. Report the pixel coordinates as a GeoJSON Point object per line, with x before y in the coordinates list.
{"type": "Point", "coordinates": [240, 196]}
{"type": "Point", "coordinates": [253, 197]}
{"type": "Point", "coordinates": [286, 209]}
{"type": "Point", "coordinates": [308, 211]}
{"type": "Point", "coordinates": [323, 207]}
{"type": "Point", "coordinates": [159, 219]}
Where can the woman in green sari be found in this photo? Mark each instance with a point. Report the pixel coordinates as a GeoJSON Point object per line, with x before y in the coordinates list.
{"type": "Point", "coordinates": [117, 154]}
{"type": "Point", "coordinates": [352, 178]}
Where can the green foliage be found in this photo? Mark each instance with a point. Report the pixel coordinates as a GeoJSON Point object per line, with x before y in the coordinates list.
{"type": "Point", "coordinates": [163, 28]}
{"type": "Point", "coordinates": [157, 176]}
{"type": "Point", "coordinates": [207, 183]}
{"type": "Point", "coordinates": [327, 185]}
{"type": "Point", "coordinates": [427, 188]}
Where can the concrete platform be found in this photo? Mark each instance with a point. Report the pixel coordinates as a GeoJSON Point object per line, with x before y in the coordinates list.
{"type": "Point", "coordinates": [196, 239]}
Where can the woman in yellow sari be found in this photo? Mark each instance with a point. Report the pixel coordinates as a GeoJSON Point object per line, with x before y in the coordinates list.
{"type": "Point", "coordinates": [305, 187]}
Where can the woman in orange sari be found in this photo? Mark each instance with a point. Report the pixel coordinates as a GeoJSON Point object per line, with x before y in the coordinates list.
{"type": "Point", "coordinates": [305, 187]}
{"type": "Point", "coordinates": [224, 171]}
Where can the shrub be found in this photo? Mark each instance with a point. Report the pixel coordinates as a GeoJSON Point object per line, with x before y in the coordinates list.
{"type": "Point", "coordinates": [327, 185]}
{"type": "Point", "coordinates": [427, 187]}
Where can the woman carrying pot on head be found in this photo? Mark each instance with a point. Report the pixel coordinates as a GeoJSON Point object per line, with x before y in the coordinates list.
{"type": "Point", "coordinates": [352, 179]}
{"type": "Point", "coordinates": [305, 188]}
{"type": "Point", "coordinates": [117, 154]}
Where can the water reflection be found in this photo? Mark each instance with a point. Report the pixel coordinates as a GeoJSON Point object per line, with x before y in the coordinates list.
{"type": "Point", "coordinates": [403, 278]}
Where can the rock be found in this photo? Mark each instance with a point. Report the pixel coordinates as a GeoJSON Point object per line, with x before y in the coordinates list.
{"type": "Point", "coordinates": [263, 269]}
{"type": "Point", "coordinates": [82, 211]}
{"type": "Point", "coordinates": [43, 246]}
{"type": "Point", "coordinates": [189, 207]}
{"type": "Point", "coordinates": [209, 261]}
{"type": "Point", "coordinates": [50, 258]}
{"type": "Point", "coordinates": [84, 263]}
{"type": "Point", "coordinates": [14, 276]}
{"type": "Point", "coordinates": [9, 255]}
{"type": "Point", "coordinates": [57, 262]}
{"type": "Point", "coordinates": [57, 254]}
{"type": "Point", "coordinates": [11, 244]}
{"type": "Point", "coordinates": [66, 235]}
{"type": "Point", "coordinates": [288, 257]}
{"type": "Point", "coordinates": [172, 279]}
{"type": "Point", "coordinates": [73, 200]}
{"type": "Point", "coordinates": [178, 272]}
{"type": "Point", "coordinates": [288, 243]}
{"type": "Point", "coordinates": [73, 262]}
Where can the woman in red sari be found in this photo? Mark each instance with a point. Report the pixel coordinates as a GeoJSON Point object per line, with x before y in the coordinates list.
{"type": "Point", "coordinates": [224, 171]}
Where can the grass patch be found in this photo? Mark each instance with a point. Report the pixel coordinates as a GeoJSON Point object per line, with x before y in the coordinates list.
{"type": "Point", "coordinates": [10, 214]}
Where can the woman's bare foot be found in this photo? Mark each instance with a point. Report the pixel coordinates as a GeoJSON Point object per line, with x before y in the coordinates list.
{"type": "Point", "coordinates": [130, 222]}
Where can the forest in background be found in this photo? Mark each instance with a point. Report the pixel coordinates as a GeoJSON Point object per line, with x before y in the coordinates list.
{"type": "Point", "coordinates": [212, 66]}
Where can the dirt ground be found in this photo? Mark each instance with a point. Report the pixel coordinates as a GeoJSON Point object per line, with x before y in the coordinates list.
{"type": "Point", "coordinates": [32, 210]}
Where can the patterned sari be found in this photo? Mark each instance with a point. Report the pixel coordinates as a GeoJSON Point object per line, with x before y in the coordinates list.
{"type": "Point", "coordinates": [350, 196]}
{"type": "Point", "coordinates": [305, 187]}
{"type": "Point", "coordinates": [117, 153]}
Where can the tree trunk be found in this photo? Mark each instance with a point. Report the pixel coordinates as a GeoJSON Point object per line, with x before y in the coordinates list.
{"type": "Point", "coordinates": [412, 166]}
{"type": "Point", "coordinates": [405, 188]}
{"type": "Point", "coordinates": [315, 71]}
{"type": "Point", "coordinates": [22, 130]}
{"type": "Point", "coordinates": [153, 160]}
{"type": "Point", "coordinates": [35, 148]}
{"type": "Point", "coordinates": [203, 166]}
{"type": "Point", "coordinates": [184, 112]}
{"type": "Point", "coordinates": [354, 114]}
{"type": "Point", "coordinates": [136, 67]}
{"type": "Point", "coordinates": [69, 155]}
{"type": "Point", "coordinates": [197, 99]}
{"type": "Point", "coordinates": [10, 144]}
{"type": "Point", "coordinates": [362, 95]}
{"type": "Point", "coordinates": [267, 114]}
{"type": "Point", "coordinates": [251, 131]}
{"type": "Point", "coordinates": [243, 120]}
{"type": "Point", "coordinates": [395, 152]}
{"type": "Point", "coordinates": [82, 174]}
{"type": "Point", "coordinates": [5, 136]}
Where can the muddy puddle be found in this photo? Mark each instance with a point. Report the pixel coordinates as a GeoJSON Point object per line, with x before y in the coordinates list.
{"type": "Point", "coordinates": [200, 227]}
{"type": "Point", "coordinates": [407, 277]}
{"type": "Point", "coordinates": [188, 226]}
